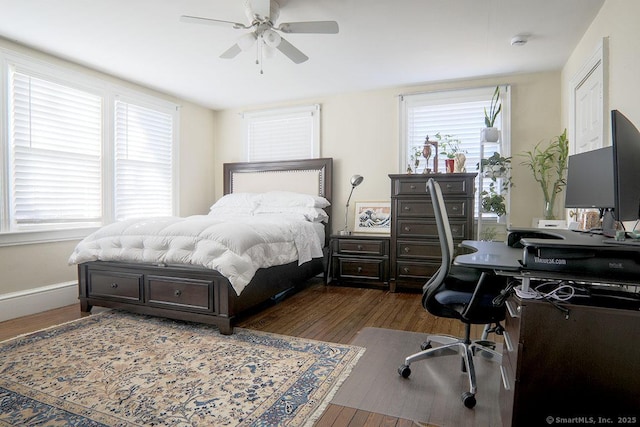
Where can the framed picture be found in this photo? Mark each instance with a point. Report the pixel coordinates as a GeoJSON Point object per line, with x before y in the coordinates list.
{"type": "Point", "coordinates": [372, 217]}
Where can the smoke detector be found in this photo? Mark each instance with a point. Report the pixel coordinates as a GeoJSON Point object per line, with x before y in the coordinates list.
{"type": "Point", "coordinates": [519, 41]}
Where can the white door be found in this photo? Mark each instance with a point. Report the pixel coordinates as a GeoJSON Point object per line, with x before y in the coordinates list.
{"type": "Point", "coordinates": [589, 115]}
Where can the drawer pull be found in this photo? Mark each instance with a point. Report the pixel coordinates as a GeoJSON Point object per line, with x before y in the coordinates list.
{"type": "Point", "coordinates": [177, 292]}
{"type": "Point", "coordinates": [359, 269]}
{"type": "Point", "coordinates": [407, 228]}
{"type": "Point", "coordinates": [359, 247]}
{"type": "Point", "coordinates": [405, 269]}
{"type": "Point", "coordinates": [449, 186]}
{"type": "Point", "coordinates": [114, 285]}
{"type": "Point", "coordinates": [507, 341]}
{"type": "Point", "coordinates": [412, 186]}
{"type": "Point", "coordinates": [407, 208]}
{"type": "Point", "coordinates": [513, 311]}
{"type": "Point", "coordinates": [407, 249]}
{"type": "Point", "coordinates": [455, 208]}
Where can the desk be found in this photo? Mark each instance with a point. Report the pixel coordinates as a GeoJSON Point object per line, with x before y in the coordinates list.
{"type": "Point", "coordinates": [580, 366]}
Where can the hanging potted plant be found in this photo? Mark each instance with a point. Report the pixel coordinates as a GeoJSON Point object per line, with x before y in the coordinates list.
{"type": "Point", "coordinates": [548, 166]}
{"type": "Point", "coordinates": [498, 169]}
{"type": "Point", "coordinates": [450, 148]}
{"type": "Point", "coordinates": [491, 133]}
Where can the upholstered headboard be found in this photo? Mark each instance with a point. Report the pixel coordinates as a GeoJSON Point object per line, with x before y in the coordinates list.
{"type": "Point", "coordinates": [310, 176]}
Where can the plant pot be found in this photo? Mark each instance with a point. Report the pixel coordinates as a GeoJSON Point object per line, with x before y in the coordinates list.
{"type": "Point", "coordinates": [449, 165]}
{"type": "Point", "coordinates": [489, 135]}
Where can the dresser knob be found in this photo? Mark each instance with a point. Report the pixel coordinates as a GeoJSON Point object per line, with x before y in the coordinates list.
{"type": "Point", "coordinates": [407, 208]}
{"type": "Point", "coordinates": [407, 249]}
{"type": "Point", "coordinates": [405, 269]}
{"type": "Point", "coordinates": [449, 186]}
{"type": "Point", "coordinates": [455, 208]}
{"type": "Point", "coordinates": [359, 247]}
{"type": "Point", "coordinates": [177, 292]}
{"type": "Point", "coordinates": [114, 285]}
{"type": "Point", "coordinates": [359, 269]}
{"type": "Point", "coordinates": [412, 186]}
{"type": "Point", "coordinates": [407, 228]}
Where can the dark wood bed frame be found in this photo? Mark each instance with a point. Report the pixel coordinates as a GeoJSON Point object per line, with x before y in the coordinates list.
{"type": "Point", "coordinates": [194, 293]}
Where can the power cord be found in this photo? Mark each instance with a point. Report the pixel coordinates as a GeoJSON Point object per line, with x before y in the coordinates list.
{"type": "Point", "coordinates": [562, 291]}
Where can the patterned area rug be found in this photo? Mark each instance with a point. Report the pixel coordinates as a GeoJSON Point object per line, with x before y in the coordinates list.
{"type": "Point", "coordinates": [120, 369]}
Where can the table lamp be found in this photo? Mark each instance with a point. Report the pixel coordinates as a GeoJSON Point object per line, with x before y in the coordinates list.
{"type": "Point", "coordinates": [355, 181]}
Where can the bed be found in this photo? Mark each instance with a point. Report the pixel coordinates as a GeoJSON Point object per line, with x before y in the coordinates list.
{"type": "Point", "coordinates": [195, 292]}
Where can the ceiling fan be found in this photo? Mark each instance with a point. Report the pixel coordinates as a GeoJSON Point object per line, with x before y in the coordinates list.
{"type": "Point", "coordinates": [262, 15]}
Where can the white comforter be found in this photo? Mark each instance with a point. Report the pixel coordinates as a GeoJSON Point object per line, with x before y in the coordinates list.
{"type": "Point", "coordinates": [234, 246]}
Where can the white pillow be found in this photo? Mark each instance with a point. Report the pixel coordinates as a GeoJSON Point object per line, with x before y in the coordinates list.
{"type": "Point", "coordinates": [237, 200]}
{"type": "Point", "coordinates": [309, 214]}
{"type": "Point", "coordinates": [291, 199]}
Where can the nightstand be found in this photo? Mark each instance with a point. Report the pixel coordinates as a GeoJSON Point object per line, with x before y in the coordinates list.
{"type": "Point", "coordinates": [359, 260]}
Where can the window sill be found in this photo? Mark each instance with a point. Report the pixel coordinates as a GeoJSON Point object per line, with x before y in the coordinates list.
{"type": "Point", "coordinates": [44, 236]}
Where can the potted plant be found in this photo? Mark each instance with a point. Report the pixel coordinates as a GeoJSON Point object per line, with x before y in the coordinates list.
{"type": "Point", "coordinates": [491, 133]}
{"type": "Point", "coordinates": [450, 148]}
{"type": "Point", "coordinates": [498, 169]}
{"type": "Point", "coordinates": [548, 165]}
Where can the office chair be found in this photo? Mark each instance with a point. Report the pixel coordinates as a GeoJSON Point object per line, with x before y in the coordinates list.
{"type": "Point", "coordinates": [461, 293]}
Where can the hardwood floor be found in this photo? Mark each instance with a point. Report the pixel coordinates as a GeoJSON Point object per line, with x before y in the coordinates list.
{"type": "Point", "coordinates": [327, 313]}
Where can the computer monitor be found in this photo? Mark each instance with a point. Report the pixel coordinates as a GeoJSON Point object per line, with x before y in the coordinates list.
{"type": "Point", "coordinates": [626, 166]}
{"type": "Point", "coordinates": [590, 180]}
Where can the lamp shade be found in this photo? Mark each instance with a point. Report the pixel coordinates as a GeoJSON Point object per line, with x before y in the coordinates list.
{"type": "Point", "coordinates": [356, 180]}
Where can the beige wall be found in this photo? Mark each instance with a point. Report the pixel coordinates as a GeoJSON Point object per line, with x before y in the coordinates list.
{"type": "Point", "coordinates": [618, 21]}
{"type": "Point", "coordinates": [361, 132]}
{"type": "Point", "coordinates": [23, 267]}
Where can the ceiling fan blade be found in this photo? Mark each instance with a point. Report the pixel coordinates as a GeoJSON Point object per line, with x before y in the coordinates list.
{"type": "Point", "coordinates": [314, 27]}
{"type": "Point", "coordinates": [292, 52]}
{"type": "Point", "coordinates": [209, 21]}
{"type": "Point", "coordinates": [232, 52]}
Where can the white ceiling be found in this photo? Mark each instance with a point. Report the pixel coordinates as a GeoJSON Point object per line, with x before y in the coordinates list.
{"type": "Point", "coordinates": [381, 43]}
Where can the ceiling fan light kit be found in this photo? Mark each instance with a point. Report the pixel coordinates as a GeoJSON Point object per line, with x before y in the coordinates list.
{"type": "Point", "coordinates": [262, 15]}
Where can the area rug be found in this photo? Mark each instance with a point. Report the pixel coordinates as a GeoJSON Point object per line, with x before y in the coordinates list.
{"type": "Point", "coordinates": [120, 369]}
{"type": "Point", "coordinates": [431, 395]}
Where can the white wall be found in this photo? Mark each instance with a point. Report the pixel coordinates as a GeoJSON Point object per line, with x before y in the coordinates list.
{"type": "Point", "coordinates": [361, 132]}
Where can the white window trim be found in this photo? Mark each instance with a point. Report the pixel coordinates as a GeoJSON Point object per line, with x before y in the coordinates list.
{"type": "Point", "coordinates": [68, 76]}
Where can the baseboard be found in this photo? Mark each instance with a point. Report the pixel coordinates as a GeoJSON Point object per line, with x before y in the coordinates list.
{"type": "Point", "coordinates": [32, 301]}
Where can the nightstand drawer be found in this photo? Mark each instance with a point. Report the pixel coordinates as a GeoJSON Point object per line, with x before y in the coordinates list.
{"type": "Point", "coordinates": [418, 249]}
{"type": "Point", "coordinates": [189, 294]}
{"type": "Point", "coordinates": [415, 270]}
{"type": "Point", "coordinates": [371, 269]}
{"type": "Point", "coordinates": [362, 247]}
{"type": "Point", "coordinates": [117, 286]}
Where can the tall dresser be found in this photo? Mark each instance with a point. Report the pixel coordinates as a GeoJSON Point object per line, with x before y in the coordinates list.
{"type": "Point", "coordinates": [415, 248]}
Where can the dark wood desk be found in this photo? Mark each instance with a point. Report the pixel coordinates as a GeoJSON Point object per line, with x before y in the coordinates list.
{"type": "Point", "coordinates": [579, 365]}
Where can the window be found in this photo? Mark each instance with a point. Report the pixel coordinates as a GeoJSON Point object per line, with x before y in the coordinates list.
{"type": "Point", "coordinates": [459, 113]}
{"type": "Point", "coordinates": [77, 152]}
{"type": "Point", "coordinates": [282, 134]}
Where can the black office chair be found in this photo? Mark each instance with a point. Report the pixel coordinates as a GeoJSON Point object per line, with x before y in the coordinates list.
{"type": "Point", "coordinates": [460, 293]}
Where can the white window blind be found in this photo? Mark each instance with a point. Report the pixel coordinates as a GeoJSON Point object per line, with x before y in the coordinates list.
{"type": "Point", "coordinates": [459, 113]}
{"type": "Point", "coordinates": [282, 134]}
{"type": "Point", "coordinates": [55, 153]}
{"type": "Point", "coordinates": [143, 161]}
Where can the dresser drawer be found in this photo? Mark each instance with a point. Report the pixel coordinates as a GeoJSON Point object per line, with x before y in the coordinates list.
{"type": "Point", "coordinates": [415, 270]}
{"type": "Point", "coordinates": [370, 269]}
{"type": "Point", "coordinates": [409, 208]}
{"type": "Point", "coordinates": [427, 229]}
{"type": "Point", "coordinates": [418, 249]}
{"type": "Point", "coordinates": [115, 286]}
{"type": "Point", "coordinates": [418, 186]}
{"type": "Point", "coordinates": [180, 293]}
{"type": "Point", "coordinates": [361, 247]}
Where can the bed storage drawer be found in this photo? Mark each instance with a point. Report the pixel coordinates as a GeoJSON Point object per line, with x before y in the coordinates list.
{"type": "Point", "coordinates": [179, 293]}
{"type": "Point", "coordinates": [116, 286]}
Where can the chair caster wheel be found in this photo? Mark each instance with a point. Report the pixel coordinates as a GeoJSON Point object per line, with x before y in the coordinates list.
{"type": "Point", "coordinates": [425, 345]}
{"type": "Point", "coordinates": [404, 371]}
{"type": "Point", "coordinates": [469, 399]}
